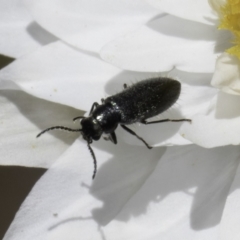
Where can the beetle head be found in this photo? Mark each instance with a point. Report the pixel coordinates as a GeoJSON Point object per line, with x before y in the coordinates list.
{"type": "Point", "coordinates": [91, 129]}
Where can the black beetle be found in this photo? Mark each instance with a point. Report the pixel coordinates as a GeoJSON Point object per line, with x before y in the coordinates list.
{"type": "Point", "coordinates": [135, 103]}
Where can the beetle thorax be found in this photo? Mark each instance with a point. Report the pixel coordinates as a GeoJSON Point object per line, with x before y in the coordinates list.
{"type": "Point", "coordinates": [107, 116]}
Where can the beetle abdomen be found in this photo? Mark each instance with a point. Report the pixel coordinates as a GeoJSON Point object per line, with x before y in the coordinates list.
{"type": "Point", "coordinates": [146, 99]}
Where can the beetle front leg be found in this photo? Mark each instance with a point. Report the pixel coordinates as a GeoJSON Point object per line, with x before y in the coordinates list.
{"type": "Point", "coordinates": [112, 137]}
{"type": "Point", "coordinates": [80, 117]}
{"type": "Point", "coordinates": [95, 104]}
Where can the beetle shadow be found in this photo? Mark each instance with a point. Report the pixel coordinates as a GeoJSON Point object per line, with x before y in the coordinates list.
{"type": "Point", "coordinates": [127, 185]}
{"type": "Point", "coordinates": [121, 177]}
{"type": "Point", "coordinates": [40, 34]}
{"type": "Point", "coordinates": [77, 219]}
{"type": "Point", "coordinates": [192, 79]}
{"type": "Point", "coordinates": [173, 26]}
{"type": "Point", "coordinates": [42, 113]}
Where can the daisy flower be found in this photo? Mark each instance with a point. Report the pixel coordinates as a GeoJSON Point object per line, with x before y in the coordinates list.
{"type": "Point", "coordinates": [178, 192]}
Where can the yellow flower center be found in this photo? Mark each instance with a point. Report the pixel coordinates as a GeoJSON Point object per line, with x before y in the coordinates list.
{"type": "Point", "coordinates": [231, 21]}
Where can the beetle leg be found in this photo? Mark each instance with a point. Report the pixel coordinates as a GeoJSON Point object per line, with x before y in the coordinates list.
{"type": "Point", "coordinates": [133, 133]}
{"type": "Point", "coordinates": [166, 120]}
{"type": "Point", "coordinates": [80, 117]}
{"type": "Point", "coordinates": [95, 104]}
{"type": "Point", "coordinates": [113, 137]}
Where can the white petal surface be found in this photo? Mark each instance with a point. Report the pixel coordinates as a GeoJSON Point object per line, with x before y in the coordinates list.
{"type": "Point", "coordinates": [166, 43]}
{"type": "Point", "coordinates": [183, 194]}
{"type": "Point", "coordinates": [197, 10]}
{"type": "Point", "coordinates": [66, 199]}
{"type": "Point", "coordinates": [219, 126]}
{"type": "Point", "coordinates": [22, 118]}
{"type": "Point", "coordinates": [19, 34]}
{"type": "Point", "coordinates": [61, 74]}
{"type": "Point", "coordinates": [182, 199]}
{"type": "Point", "coordinates": [231, 220]}
{"type": "Point", "coordinates": [89, 24]}
{"type": "Point", "coordinates": [227, 74]}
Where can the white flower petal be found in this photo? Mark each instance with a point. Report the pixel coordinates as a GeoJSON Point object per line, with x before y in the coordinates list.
{"type": "Point", "coordinates": [61, 74]}
{"type": "Point", "coordinates": [183, 195]}
{"type": "Point", "coordinates": [230, 219]}
{"type": "Point", "coordinates": [166, 43]}
{"type": "Point", "coordinates": [227, 74]}
{"type": "Point", "coordinates": [90, 24]}
{"type": "Point", "coordinates": [19, 35]}
{"type": "Point", "coordinates": [22, 118]}
{"type": "Point", "coordinates": [182, 199]}
{"type": "Point", "coordinates": [219, 126]}
{"type": "Point", "coordinates": [197, 10]}
{"type": "Point", "coordinates": [69, 202]}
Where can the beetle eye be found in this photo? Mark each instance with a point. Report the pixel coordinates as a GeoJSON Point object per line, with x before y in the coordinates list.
{"type": "Point", "coordinates": [96, 137]}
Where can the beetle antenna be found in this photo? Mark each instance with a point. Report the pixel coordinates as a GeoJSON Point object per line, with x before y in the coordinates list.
{"type": "Point", "coordinates": [59, 127]}
{"type": "Point", "coordinates": [94, 159]}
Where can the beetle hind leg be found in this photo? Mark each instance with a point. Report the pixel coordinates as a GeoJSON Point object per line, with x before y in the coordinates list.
{"type": "Point", "coordinates": [166, 120]}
